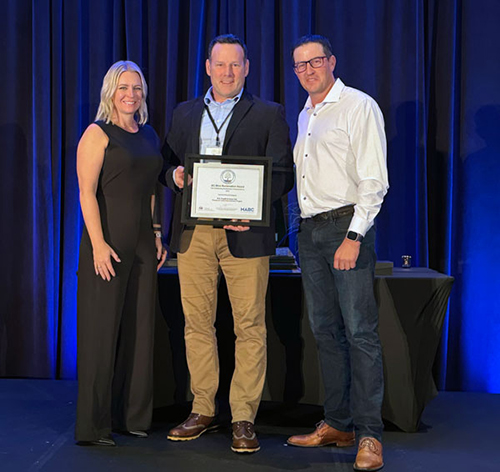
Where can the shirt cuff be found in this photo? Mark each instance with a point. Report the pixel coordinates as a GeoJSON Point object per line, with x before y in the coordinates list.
{"type": "Point", "coordinates": [360, 225]}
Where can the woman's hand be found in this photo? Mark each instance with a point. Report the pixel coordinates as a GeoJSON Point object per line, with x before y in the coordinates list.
{"type": "Point", "coordinates": [161, 253]}
{"type": "Point", "coordinates": [102, 261]}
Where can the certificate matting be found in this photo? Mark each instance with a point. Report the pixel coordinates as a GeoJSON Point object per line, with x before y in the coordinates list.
{"type": "Point", "coordinates": [221, 190]}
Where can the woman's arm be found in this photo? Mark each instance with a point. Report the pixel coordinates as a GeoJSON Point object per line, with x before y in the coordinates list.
{"type": "Point", "coordinates": [89, 161]}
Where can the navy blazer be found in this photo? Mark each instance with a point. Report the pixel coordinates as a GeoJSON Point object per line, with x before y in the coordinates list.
{"type": "Point", "coordinates": [256, 128]}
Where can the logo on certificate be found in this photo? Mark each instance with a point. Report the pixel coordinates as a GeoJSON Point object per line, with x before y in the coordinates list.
{"type": "Point", "coordinates": [227, 177]}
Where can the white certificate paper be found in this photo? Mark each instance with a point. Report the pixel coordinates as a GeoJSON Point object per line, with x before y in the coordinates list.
{"type": "Point", "coordinates": [227, 191]}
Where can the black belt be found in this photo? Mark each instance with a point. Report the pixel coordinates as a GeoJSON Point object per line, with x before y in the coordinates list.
{"type": "Point", "coordinates": [337, 213]}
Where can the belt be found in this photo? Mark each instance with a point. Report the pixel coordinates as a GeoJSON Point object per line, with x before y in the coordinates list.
{"type": "Point", "coordinates": [337, 213]}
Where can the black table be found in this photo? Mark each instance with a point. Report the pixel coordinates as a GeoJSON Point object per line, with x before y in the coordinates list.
{"type": "Point", "coordinates": [412, 306]}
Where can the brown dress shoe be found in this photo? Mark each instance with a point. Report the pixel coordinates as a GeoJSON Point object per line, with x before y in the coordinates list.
{"type": "Point", "coordinates": [369, 455]}
{"type": "Point", "coordinates": [244, 437]}
{"type": "Point", "coordinates": [323, 435]}
{"type": "Point", "coordinates": [192, 428]}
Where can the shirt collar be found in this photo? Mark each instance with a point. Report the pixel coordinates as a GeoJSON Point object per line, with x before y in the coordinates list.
{"type": "Point", "coordinates": [208, 99]}
{"type": "Point", "coordinates": [332, 96]}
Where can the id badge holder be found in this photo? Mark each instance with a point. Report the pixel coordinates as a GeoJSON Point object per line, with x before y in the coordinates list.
{"type": "Point", "coordinates": [213, 151]}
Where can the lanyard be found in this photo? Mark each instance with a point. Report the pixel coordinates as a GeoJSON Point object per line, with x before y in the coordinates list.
{"type": "Point", "coordinates": [217, 130]}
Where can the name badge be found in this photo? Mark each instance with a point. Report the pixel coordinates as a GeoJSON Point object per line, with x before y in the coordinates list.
{"type": "Point", "coordinates": [213, 151]}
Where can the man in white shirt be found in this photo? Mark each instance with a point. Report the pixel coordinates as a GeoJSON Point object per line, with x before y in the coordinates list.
{"type": "Point", "coordinates": [340, 159]}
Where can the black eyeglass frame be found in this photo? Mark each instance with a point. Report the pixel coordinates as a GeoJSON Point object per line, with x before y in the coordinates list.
{"type": "Point", "coordinates": [298, 65]}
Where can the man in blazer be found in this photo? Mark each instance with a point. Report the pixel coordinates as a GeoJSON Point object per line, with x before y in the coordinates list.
{"type": "Point", "coordinates": [226, 121]}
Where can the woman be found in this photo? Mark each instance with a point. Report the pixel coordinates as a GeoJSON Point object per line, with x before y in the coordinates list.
{"type": "Point", "coordinates": [118, 161]}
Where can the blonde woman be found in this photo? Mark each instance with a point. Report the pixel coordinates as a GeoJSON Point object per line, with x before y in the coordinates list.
{"type": "Point", "coordinates": [118, 162]}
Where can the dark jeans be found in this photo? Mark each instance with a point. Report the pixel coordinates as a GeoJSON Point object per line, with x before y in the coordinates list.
{"type": "Point", "coordinates": [344, 320]}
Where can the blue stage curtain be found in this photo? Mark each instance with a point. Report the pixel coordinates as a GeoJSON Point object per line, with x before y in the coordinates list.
{"type": "Point", "coordinates": [432, 66]}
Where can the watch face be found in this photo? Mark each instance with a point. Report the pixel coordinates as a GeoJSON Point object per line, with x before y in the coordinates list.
{"type": "Point", "coordinates": [352, 235]}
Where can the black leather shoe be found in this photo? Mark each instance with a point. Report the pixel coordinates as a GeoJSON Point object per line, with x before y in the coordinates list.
{"type": "Point", "coordinates": [104, 442]}
{"type": "Point", "coordinates": [138, 434]}
{"type": "Point", "coordinates": [107, 441]}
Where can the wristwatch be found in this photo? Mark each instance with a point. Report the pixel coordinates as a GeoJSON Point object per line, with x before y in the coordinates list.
{"type": "Point", "coordinates": [354, 236]}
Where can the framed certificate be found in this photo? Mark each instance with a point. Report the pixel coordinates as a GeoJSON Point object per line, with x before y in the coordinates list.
{"type": "Point", "coordinates": [222, 190]}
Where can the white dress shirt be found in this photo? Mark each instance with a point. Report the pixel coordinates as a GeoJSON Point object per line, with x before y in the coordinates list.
{"type": "Point", "coordinates": [341, 156]}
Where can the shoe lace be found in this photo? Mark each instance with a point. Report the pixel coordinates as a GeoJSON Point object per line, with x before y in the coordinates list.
{"type": "Point", "coordinates": [368, 443]}
{"type": "Point", "coordinates": [247, 428]}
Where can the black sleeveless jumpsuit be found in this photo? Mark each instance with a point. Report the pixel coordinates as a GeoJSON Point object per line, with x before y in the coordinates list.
{"type": "Point", "coordinates": [116, 318]}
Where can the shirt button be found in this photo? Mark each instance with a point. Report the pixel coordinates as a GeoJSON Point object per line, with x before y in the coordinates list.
{"type": "Point", "coordinates": [303, 176]}
{"type": "Point", "coordinates": [308, 134]}
{"type": "Point", "coordinates": [306, 155]}
{"type": "Point", "coordinates": [305, 198]}
{"type": "Point", "coordinates": [315, 114]}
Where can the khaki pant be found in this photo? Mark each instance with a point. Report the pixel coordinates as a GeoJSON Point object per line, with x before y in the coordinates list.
{"type": "Point", "coordinates": [246, 281]}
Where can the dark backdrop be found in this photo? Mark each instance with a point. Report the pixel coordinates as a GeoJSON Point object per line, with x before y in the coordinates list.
{"type": "Point", "coordinates": [432, 66]}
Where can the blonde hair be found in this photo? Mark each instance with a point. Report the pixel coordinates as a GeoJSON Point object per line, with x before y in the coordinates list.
{"type": "Point", "coordinates": [109, 86]}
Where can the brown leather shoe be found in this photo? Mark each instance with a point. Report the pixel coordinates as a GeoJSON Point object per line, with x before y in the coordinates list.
{"type": "Point", "coordinates": [323, 435]}
{"type": "Point", "coordinates": [369, 455]}
{"type": "Point", "coordinates": [192, 428]}
{"type": "Point", "coordinates": [244, 437]}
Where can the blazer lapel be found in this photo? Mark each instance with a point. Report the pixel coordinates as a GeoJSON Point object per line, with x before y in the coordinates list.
{"type": "Point", "coordinates": [240, 110]}
{"type": "Point", "coordinates": [196, 114]}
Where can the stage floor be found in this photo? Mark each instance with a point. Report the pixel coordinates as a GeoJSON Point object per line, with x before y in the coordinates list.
{"type": "Point", "coordinates": [458, 433]}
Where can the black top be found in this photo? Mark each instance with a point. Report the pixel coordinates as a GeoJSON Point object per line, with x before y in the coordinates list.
{"type": "Point", "coordinates": [126, 182]}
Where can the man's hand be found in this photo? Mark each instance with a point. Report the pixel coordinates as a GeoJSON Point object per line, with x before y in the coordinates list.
{"type": "Point", "coordinates": [179, 177]}
{"type": "Point", "coordinates": [346, 255]}
{"type": "Point", "coordinates": [238, 227]}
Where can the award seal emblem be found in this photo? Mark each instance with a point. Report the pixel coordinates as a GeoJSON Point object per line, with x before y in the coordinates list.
{"type": "Point", "coordinates": [227, 177]}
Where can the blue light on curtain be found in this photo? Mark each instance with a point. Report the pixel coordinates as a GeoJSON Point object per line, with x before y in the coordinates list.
{"type": "Point", "coordinates": [478, 250]}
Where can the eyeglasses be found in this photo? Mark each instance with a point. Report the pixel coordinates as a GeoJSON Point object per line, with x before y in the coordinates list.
{"type": "Point", "coordinates": [315, 63]}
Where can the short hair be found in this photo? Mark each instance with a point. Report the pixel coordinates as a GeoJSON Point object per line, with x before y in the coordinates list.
{"type": "Point", "coordinates": [314, 38]}
{"type": "Point", "coordinates": [227, 39]}
{"type": "Point", "coordinates": [109, 86]}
